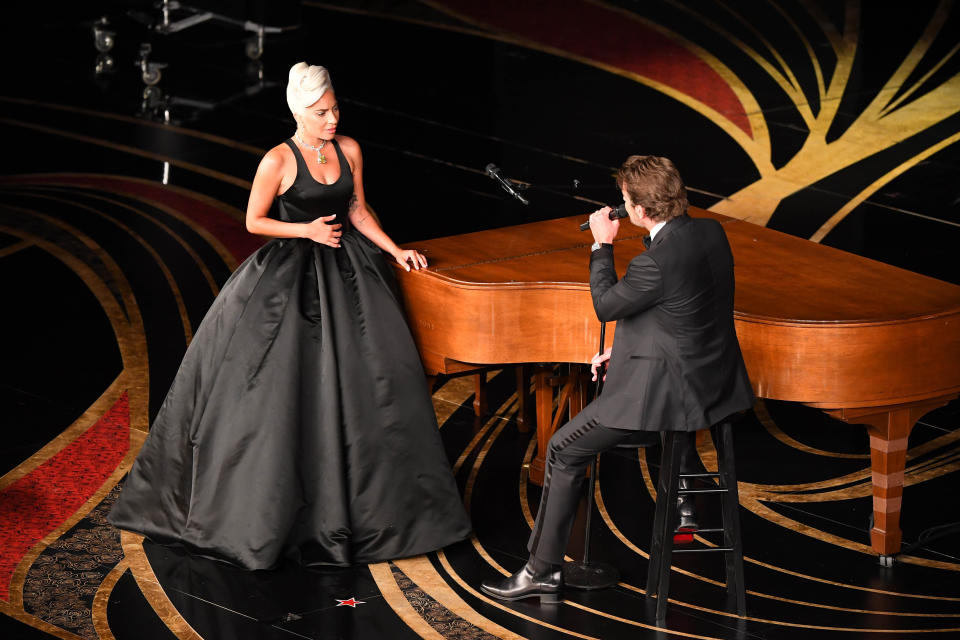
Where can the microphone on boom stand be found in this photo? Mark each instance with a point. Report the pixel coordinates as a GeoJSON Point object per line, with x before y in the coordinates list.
{"type": "Point", "coordinates": [509, 186]}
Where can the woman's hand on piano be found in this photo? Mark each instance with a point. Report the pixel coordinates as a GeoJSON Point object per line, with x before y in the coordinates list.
{"type": "Point", "coordinates": [407, 257]}
{"type": "Point", "coordinates": [597, 361]}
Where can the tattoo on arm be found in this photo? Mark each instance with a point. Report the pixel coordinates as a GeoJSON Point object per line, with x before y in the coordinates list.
{"type": "Point", "coordinates": [352, 206]}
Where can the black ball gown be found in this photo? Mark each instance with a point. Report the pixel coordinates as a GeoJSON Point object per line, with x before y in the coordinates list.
{"type": "Point", "coordinates": [299, 424]}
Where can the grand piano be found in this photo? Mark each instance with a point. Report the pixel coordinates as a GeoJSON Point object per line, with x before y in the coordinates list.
{"type": "Point", "coordinates": [866, 342]}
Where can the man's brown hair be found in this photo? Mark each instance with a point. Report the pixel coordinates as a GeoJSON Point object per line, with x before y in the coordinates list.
{"type": "Point", "coordinates": [654, 183]}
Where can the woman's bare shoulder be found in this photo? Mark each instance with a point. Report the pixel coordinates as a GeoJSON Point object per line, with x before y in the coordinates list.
{"type": "Point", "coordinates": [277, 158]}
{"type": "Point", "coordinates": [348, 144]}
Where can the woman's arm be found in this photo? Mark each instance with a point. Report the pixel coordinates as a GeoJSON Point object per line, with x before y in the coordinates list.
{"type": "Point", "coordinates": [364, 221]}
{"type": "Point", "coordinates": [266, 186]}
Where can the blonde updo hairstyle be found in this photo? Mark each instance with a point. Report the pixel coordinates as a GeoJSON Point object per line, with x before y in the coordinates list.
{"type": "Point", "coordinates": [307, 83]}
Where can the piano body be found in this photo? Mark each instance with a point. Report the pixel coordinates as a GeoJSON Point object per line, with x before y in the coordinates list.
{"type": "Point", "coordinates": [866, 342]}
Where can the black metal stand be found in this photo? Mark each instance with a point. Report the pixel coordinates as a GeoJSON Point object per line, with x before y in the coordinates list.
{"type": "Point", "coordinates": [589, 575]}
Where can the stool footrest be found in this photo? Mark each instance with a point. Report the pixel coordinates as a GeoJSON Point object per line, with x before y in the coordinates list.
{"type": "Point", "coordinates": [684, 492]}
{"type": "Point", "coordinates": [705, 550]}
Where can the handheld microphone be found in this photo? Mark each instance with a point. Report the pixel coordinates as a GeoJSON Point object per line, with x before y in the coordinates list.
{"type": "Point", "coordinates": [493, 171]}
{"type": "Point", "coordinates": [619, 211]}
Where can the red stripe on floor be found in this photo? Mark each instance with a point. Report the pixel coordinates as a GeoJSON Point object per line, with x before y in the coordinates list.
{"type": "Point", "coordinates": [41, 501]}
{"type": "Point", "coordinates": [229, 231]}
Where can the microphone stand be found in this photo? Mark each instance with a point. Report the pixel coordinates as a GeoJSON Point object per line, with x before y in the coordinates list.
{"type": "Point", "coordinates": [589, 575]}
{"type": "Point", "coordinates": [508, 185]}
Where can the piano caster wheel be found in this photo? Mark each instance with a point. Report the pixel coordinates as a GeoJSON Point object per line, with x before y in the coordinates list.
{"type": "Point", "coordinates": [885, 561]}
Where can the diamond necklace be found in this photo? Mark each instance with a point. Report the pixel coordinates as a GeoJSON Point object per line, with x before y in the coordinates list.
{"type": "Point", "coordinates": [321, 159]}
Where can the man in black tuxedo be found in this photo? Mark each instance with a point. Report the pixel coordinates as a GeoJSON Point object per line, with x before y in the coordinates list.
{"type": "Point", "coordinates": [675, 363]}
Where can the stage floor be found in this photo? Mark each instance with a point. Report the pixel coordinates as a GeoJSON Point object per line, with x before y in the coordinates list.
{"type": "Point", "coordinates": [121, 215]}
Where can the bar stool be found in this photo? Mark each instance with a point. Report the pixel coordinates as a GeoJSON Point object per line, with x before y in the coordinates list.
{"type": "Point", "coordinates": [665, 518]}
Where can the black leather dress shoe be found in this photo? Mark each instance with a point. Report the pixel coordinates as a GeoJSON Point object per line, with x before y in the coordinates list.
{"type": "Point", "coordinates": [687, 512]}
{"type": "Point", "coordinates": [526, 584]}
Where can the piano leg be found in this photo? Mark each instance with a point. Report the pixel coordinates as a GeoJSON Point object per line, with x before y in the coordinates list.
{"type": "Point", "coordinates": [523, 398]}
{"type": "Point", "coordinates": [543, 394]}
{"type": "Point", "coordinates": [480, 394]}
{"type": "Point", "coordinates": [571, 400]}
{"type": "Point", "coordinates": [889, 429]}
{"type": "Point", "coordinates": [888, 460]}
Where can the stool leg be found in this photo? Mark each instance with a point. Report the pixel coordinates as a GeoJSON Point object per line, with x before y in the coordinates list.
{"type": "Point", "coordinates": [730, 502]}
{"type": "Point", "coordinates": [657, 532]}
{"type": "Point", "coordinates": [658, 576]}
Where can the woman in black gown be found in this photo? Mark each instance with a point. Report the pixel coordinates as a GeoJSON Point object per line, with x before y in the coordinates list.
{"type": "Point", "coordinates": [299, 424]}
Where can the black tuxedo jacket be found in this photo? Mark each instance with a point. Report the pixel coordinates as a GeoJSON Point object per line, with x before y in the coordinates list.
{"type": "Point", "coordinates": [676, 363]}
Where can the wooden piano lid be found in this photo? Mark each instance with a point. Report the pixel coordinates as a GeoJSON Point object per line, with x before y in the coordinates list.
{"type": "Point", "coordinates": [780, 278]}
